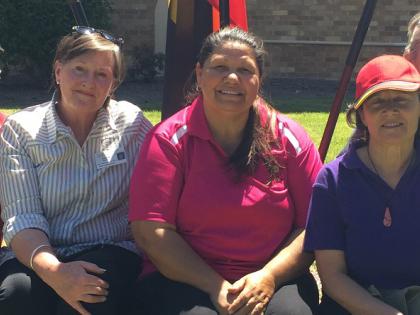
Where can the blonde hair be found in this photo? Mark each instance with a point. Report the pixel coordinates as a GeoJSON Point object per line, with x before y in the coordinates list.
{"type": "Point", "coordinates": [412, 25]}
{"type": "Point", "coordinates": [75, 44]}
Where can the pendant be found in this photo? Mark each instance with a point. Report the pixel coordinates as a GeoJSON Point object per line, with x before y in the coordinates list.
{"type": "Point", "coordinates": [387, 218]}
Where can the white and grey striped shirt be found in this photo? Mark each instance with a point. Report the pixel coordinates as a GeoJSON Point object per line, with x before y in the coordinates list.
{"type": "Point", "coordinates": [77, 195]}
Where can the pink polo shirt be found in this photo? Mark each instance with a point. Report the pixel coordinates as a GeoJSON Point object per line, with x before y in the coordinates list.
{"type": "Point", "coordinates": [182, 178]}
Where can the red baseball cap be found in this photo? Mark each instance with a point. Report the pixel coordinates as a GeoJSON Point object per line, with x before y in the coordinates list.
{"type": "Point", "coordinates": [387, 72]}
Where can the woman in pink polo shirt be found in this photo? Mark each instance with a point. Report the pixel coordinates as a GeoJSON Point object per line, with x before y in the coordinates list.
{"type": "Point", "coordinates": [220, 197]}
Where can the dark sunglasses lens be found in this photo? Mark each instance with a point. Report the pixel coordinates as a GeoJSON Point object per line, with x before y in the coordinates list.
{"type": "Point", "coordinates": [85, 30]}
{"type": "Point", "coordinates": [106, 35]}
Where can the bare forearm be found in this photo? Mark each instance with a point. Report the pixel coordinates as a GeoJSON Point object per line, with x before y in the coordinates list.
{"type": "Point", "coordinates": [27, 244]}
{"type": "Point", "coordinates": [339, 286]}
{"type": "Point", "coordinates": [175, 258]}
{"type": "Point", "coordinates": [291, 261]}
{"type": "Point", "coordinates": [353, 297]}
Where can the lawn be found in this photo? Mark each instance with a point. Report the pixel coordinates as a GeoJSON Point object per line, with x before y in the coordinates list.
{"type": "Point", "coordinates": [310, 112]}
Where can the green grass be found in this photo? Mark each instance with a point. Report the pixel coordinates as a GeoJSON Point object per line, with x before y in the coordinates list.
{"type": "Point", "coordinates": [310, 112]}
{"type": "Point", "coordinates": [153, 116]}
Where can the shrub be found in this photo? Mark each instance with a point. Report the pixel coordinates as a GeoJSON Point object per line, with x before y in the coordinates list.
{"type": "Point", "coordinates": [31, 29]}
{"type": "Point", "coordinates": [146, 63]}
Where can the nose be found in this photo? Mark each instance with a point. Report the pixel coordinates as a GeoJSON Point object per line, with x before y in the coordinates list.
{"type": "Point", "coordinates": [232, 75]}
{"type": "Point", "coordinates": [88, 80]}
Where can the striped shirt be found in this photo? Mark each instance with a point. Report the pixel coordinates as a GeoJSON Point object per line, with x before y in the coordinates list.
{"type": "Point", "coordinates": [77, 195]}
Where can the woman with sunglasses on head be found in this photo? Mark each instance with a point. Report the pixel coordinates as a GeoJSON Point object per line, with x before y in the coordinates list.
{"type": "Point", "coordinates": [65, 168]}
{"type": "Point", "coordinates": [364, 215]}
{"type": "Point", "coordinates": [219, 197]}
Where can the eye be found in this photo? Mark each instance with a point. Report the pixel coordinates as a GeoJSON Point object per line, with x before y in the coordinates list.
{"type": "Point", "coordinates": [245, 71]}
{"type": "Point", "coordinates": [401, 100]}
{"type": "Point", "coordinates": [374, 104]}
{"type": "Point", "coordinates": [220, 68]}
{"type": "Point", "coordinates": [79, 69]}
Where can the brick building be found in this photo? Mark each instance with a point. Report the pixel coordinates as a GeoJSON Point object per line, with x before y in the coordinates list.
{"type": "Point", "coordinates": [304, 38]}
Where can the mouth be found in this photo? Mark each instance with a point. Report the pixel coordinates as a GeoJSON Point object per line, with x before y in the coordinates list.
{"type": "Point", "coordinates": [392, 125]}
{"type": "Point", "coordinates": [86, 94]}
{"type": "Point", "coordinates": [230, 92]}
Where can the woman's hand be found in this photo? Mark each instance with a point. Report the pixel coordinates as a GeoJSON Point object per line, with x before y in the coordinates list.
{"type": "Point", "coordinates": [221, 297]}
{"type": "Point", "coordinates": [253, 291]}
{"type": "Point", "coordinates": [74, 283]}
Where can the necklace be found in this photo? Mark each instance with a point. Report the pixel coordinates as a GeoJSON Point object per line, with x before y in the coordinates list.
{"type": "Point", "coordinates": [387, 220]}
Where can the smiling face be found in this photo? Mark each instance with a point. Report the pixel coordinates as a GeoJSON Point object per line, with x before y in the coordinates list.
{"type": "Point", "coordinates": [85, 82]}
{"type": "Point", "coordinates": [391, 116]}
{"type": "Point", "coordinates": [229, 79]}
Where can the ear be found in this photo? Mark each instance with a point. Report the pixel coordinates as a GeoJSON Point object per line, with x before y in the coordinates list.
{"type": "Point", "coordinates": [57, 70]}
{"type": "Point", "coordinates": [198, 73]}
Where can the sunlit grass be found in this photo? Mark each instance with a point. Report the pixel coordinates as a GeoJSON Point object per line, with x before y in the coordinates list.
{"type": "Point", "coordinates": [153, 116]}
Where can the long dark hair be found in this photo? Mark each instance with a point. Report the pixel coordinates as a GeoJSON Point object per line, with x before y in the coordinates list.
{"type": "Point", "coordinates": [259, 137]}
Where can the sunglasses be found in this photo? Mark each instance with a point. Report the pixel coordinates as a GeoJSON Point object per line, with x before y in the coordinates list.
{"type": "Point", "coordinates": [86, 30]}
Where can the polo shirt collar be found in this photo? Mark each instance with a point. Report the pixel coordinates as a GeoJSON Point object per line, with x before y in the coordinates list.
{"type": "Point", "coordinates": [351, 160]}
{"type": "Point", "coordinates": [196, 120]}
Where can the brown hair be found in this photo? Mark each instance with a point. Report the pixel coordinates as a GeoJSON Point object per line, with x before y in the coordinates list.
{"type": "Point", "coordinates": [361, 133]}
{"type": "Point", "coordinates": [75, 44]}
{"type": "Point", "coordinates": [258, 138]}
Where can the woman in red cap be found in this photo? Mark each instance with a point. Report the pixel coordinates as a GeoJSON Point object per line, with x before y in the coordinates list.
{"type": "Point", "coordinates": [364, 215]}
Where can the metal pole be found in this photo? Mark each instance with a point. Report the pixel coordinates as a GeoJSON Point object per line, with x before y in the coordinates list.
{"type": "Point", "coordinates": [352, 56]}
{"type": "Point", "coordinates": [224, 13]}
{"type": "Point", "coordinates": [78, 12]}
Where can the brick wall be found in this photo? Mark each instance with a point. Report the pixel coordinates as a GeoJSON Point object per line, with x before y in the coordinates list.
{"type": "Point", "coordinates": [134, 20]}
{"type": "Point", "coordinates": [290, 28]}
{"type": "Point", "coordinates": [305, 38]}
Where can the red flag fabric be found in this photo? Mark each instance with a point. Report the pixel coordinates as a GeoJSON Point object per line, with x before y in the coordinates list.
{"type": "Point", "coordinates": [237, 14]}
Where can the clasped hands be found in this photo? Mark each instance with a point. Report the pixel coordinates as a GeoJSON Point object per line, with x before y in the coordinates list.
{"type": "Point", "coordinates": [248, 295]}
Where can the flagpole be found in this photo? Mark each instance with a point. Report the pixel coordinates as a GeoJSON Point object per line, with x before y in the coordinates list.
{"type": "Point", "coordinates": [78, 12]}
{"type": "Point", "coordinates": [224, 13]}
{"type": "Point", "coordinates": [352, 57]}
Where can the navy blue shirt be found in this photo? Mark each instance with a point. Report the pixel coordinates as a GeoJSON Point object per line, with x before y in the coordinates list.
{"type": "Point", "coordinates": [347, 211]}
